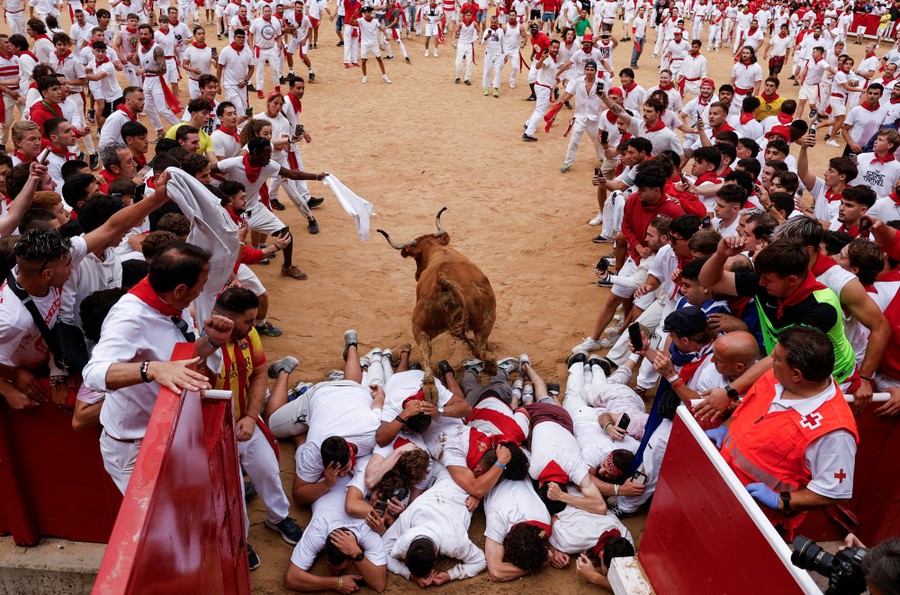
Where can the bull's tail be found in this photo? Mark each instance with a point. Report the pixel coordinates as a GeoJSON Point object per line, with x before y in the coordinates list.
{"type": "Point", "coordinates": [452, 305]}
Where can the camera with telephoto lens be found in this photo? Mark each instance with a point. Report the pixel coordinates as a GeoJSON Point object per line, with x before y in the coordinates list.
{"type": "Point", "coordinates": [843, 569]}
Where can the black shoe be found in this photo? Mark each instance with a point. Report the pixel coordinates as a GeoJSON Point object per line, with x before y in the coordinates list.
{"type": "Point", "coordinates": [313, 227]}
{"type": "Point", "coordinates": [314, 201]}
{"type": "Point", "coordinates": [468, 83]}
{"type": "Point", "coordinates": [528, 138]}
{"type": "Point", "coordinates": [90, 116]}
{"type": "Point", "coordinates": [602, 362]}
{"type": "Point", "coordinates": [312, 76]}
{"type": "Point", "coordinates": [580, 358]}
{"type": "Point", "coordinates": [457, 81]}
{"type": "Point", "coordinates": [249, 491]}
{"type": "Point", "coordinates": [552, 387]}
{"type": "Point", "coordinates": [276, 204]}
{"type": "Point", "coordinates": [531, 98]}
{"type": "Point", "coordinates": [94, 162]}
{"type": "Point", "coordinates": [340, 44]}
{"type": "Point", "coordinates": [407, 60]}
{"type": "Point", "coordinates": [281, 80]}
{"type": "Point", "coordinates": [251, 88]}
{"type": "Point", "coordinates": [600, 239]}
{"type": "Point", "coordinates": [568, 105]}
{"type": "Point", "coordinates": [445, 368]}
{"type": "Point", "coordinates": [252, 558]}
{"type": "Point", "coordinates": [264, 261]}
{"type": "Point", "coordinates": [415, 366]}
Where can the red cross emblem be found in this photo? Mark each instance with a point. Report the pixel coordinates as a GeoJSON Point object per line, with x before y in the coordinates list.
{"type": "Point", "coordinates": [840, 476]}
{"type": "Point", "coordinates": [811, 421]}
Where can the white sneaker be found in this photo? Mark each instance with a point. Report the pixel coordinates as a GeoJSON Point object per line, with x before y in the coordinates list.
{"type": "Point", "coordinates": [610, 339]}
{"type": "Point", "coordinates": [832, 143]}
{"type": "Point", "coordinates": [365, 79]}
{"type": "Point", "coordinates": [435, 52]}
{"type": "Point", "coordinates": [597, 220]}
{"type": "Point", "coordinates": [426, 51]}
{"type": "Point", "coordinates": [588, 344]}
{"type": "Point", "coordinates": [386, 79]}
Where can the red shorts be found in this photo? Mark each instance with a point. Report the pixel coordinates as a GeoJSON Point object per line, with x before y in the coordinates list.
{"type": "Point", "coordinates": [315, 22]}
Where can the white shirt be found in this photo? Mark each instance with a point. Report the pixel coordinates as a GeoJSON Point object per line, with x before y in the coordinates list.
{"type": "Point", "coordinates": [745, 77]}
{"type": "Point", "coordinates": [780, 45]}
{"type": "Point", "coordinates": [235, 65]}
{"type": "Point", "coordinates": [552, 442]}
{"type": "Point", "coordinates": [441, 515]}
{"type": "Point", "coordinates": [576, 530]}
{"type": "Point", "coordinates": [21, 343]}
{"type": "Point", "coordinates": [493, 38]}
{"type": "Point", "coordinates": [368, 31]}
{"type": "Point", "coordinates": [662, 140]}
{"type": "Point", "coordinates": [509, 503]}
{"type": "Point", "coordinates": [112, 128]}
{"type": "Point", "coordinates": [675, 103]}
{"type": "Point", "coordinates": [880, 177]}
{"type": "Point", "coordinates": [496, 405]}
{"type": "Point", "coordinates": [132, 332]}
{"type": "Point", "coordinates": [92, 274]}
{"type": "Point", "coordinates": [729, 230]}
{"type": "Point", "coordinates": [265, 33]}
{"type": "Point", "coordinates": [885, 209]}
{"type": "Point", "coordinates": [342, 408]}
{"type": "Point", "coordinates": [587, 102]}
{"type": "Point", "coordinates": [200, 58]}
{"type": "Point", "coordinates": [109, 87]}
{"type": "Point", "coordinates": [225, 146]}
{"type": "Point", "coordinates": [546, 75]}
{"type": "Point", "coordinates": [329, 514]}
{"type": "Point", "coordinates": [864, 123]}
{"type": "Point", "coordinates": [234, 170]}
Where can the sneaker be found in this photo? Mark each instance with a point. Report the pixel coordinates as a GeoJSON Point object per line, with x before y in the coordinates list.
{"type": "Point", "coordinates": [435, 52]}
{"type": "Point", "coordinates": [588, 344]}
{"type": "Point", "coordinates": [374, 355]}
{"type": "Point", "coordinates": [334, 375]}
{"type": "Point", "coordinates": [832, 143]}
{"type": "Point", "coordinates": [457, 81]}
{"type": "Point", "coordinates": [364, 362]}
{"type": "Point", "coordinates": [415, 366]}
{"type": "Point", "coordinates": [407, 60]}
{"type": "Point", "coordinates": [350, 338]}
{"type": "Point", "coordinates": [517, 390]}
{"type": "Point", "coordinates": [250, 87]}
{"type": "Point", "coordinates": [90, 116]}
{"type": "Point", "coordinates": [313, 227]}
{"type": "Point", "coordinates": [268, 329]}
{"type": "Point", "coordinates": [601, 239]}
{"type": "Point", "coordinates": [288, 528]}
{"type": "Point", "coordinates": [340, 44]}
{"type": "Point", "coordinates": [264, 261]}
{"type": "Point", "coordinates": [427, 52]}
{"type": "Point", "coordinates": [252, 558]}
{"type": "Point", "coordinates": [356, 65]}
{"type": "Point", "coordinates": [386, 78]}
{"type": "Point", "coordinates": [485, 91]}
{"type": "Point", "coordinates": [473, 364]}
{"type": "Point", "coordinates": [577, 357]}
{"type": "Point", "coordinates": [276, 204]}
{"type": "Point", "coordinates": [497, 93]}
{"type": "Point", "coordinates": [389, 354]}
{"type": "Point", "coordinates": [528, 394]}
{"type": "Point", "coordinates": [567, 104]}
{"type": "Point", "coordinates": [532, 97]}
{"type": "Point", "coordinates": [553, 389]}
{"type": "Point", "coordinates": [510, 364]}
{"type": "Point", "coordinates": [299, 389]}
{"type": "Point", "coordinates": [293, 271]}
{"type": "Point", "coordinates": [602, 362]}
{"type": "Point", "coordinates": [597, 220]}
{"type": "Point", "coordinates": [445, 368]}
{"type": "Point", "coordinates": [812, 114]}
{"type": "Point", "coordinates": [527, 137]}
{"type": "Point", "coordinates": [467, 83]}
{"type": "Point", "coordinates": [365, 79]}
{"type": "Point", "coordinates": [620, 514]}
{"type": "Point", "coordinates": [565, 168]}
{"type": "Point", "coordinates": [314, 201]}
{"type": "Point", "coordinates": [827, 136]}
{"type": "Point", "coordinates": [604, 282]}
{"type": "Point", "coordinates": [312, 76]}
{"type": "Point", "coordinates": [286, 364]}
{"type": "Point", "coordinates": [524, 359]}
{"type": "Point", "coordinates": [346, 64]}
{"type": "Point", "coordinates": [259, 94]}
{"type": "Point", "coordinates": [610, 339]}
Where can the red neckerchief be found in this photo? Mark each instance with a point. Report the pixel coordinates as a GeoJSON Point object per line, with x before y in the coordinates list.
{"type": "Point", "coordinates": [199, 46]}
{"type": "Point", "coordinates": [694, 52]}
{"type": "Point", "coordinates": [90, 11]}
{"type": "Point", "coordinates": [865, 105]}
{"type": "Point", "coordinates": [295, 103]}
{"type": "Point", "coordinates": [144, 292]}
{"type": "Point", "coordinates": [747, 63]}
{"type": "Point", "coordinates": [709, 176]}
{"type": "Point", "coordinates": [658, 126]}
{"type": "Point", "coordinates": [23, 158]}
{"type": "Point", "coordinates": [823, 263]}
{"type": "Point", "coordinates": [130, 30]}
{"type": "Point", "coordinates": [232, 133]}
{"type": "Point", "coordinates": [234, 47]}
{"type": "Point", "coordinates": [870, 54]}
{"type": "Point", "coordinates": [7, 56]}
{"type": "Point", "coordinates": [480, 443]}
{"type": "Point", "coordinates": [149, 47]}
{"type": "Point", "coordinates": [53, 107]}
{"type": "Point", "coordinates": [244, 22]}
{"type": "Point", "coordinates": [830, 196]}
{"type": "Point", "coordinates": [42, 36]}
{"type": "Point", "coordinates": [782, 36]}
{"type": "Point", "coordinates": [102, 62]}
{"type": "Point", "coordinates": [140, 160]}
{"type": "Point", "coordinates": [546, 530]}
{"type": "Point", "coordinates": [807, 287]}
{"type": "Point", "coordinates": [132, 117]}
{"type": "Point", "coordinates": [64, 152]}
{"type": "Point", "coordinates": [785, 118]}
{"type": "Point", "coordinates": [267, 19]}
{"type": "Point", "coordinates": [62, 59]}
{"type": "Point", "coordinates": [553, 472]}
{"type": "Point", "coordinates": [883, 160]}
{"type": "Point", "coordinates": [745, 117]}
{"type": "Point", "coordinates": [770, 98]}
{"type": "Point", "coordinates": [629, 88]}
{"type": "Point", "coordinates": [752, 30]}
{"type": "Point", "coordinates": [885, 80]}
{"type": "Point", "coordinates": [662, 87]}
{"type": "Point", "coordinates": [28, 53]}
{"type": "Point", "coordinates": [701, 101]}
{"type": "Point", "coordinates": [626, 137]}
{"type": "Point", "coordinates": [725, 126]}
{"type": "Point", "coordinates": [252, 172]}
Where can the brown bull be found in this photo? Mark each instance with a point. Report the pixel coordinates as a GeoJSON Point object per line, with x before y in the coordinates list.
{"type": "Point", "coordinates": [452, 295]}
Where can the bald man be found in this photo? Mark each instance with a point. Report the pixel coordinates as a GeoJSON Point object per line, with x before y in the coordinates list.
{"type": "Point", "coordinates": [733, 354]}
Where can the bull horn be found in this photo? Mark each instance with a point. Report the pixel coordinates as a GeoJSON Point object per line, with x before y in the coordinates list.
{"type": "Point", "coordinates": [437, 221]}
{"type": "Point", "coordinates": [393, 242]}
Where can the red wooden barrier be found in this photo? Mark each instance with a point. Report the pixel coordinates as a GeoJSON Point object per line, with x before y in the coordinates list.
{"type": "Point", "coordinates": [181, 528]}
{"type": "Point", "coordinates": [705, 533]}
{"type": "Point", "coordinates": [52, 481]}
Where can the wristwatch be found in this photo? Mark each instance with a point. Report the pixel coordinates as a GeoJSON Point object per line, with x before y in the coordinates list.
{"type": "Point", "coordinates": [440, 411]}
{"type": "Point", "coordinates": [359, 557]}
{"type": "Point", "coordinates": [785, 501]}
{"type": "Point", "coordinates": [731, 392]}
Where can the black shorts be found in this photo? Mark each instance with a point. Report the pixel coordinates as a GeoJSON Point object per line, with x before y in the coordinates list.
{"type": "Point", "coordinates": [535, 15]}
{"type": "Point", "coordinates": [109, 107]}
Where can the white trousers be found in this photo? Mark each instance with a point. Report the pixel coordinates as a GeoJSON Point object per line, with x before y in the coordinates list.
{"type": "Point", "coordinates": [515, 66]}
{"type": "Point", "coordinates": [464, 52]}
{"type": "Point", "coordinates": [118, 459]}
{"type": "Point", "coordinates": [155, 104]}
{"type": "Point", "coordinates": [237, 96]}
{"type": "Point", "coordinates": [194, 90]}
{"type": "Point", "coordinates": [613, 213]}
{"type": "Point", "coordinates": [271, 56]}
{"type": "Point", "coordinates": [351, 45]}
{"type": "Point", "coordinates": [715, 37]}
{"type": "Point", "coordinates": [258, 460]}
{"type": "Point", "coordinates": [492, 62]}
{"type": "Point", "coordinates": [296, 190]}
{"type": "Point", "coordinates": [16, 21]}
{"type": "Point", "coordinates": [581, 126]}
{"type": "Point", "coordinates": [650, 318]}
{"type": "Point", "coordinates": [541, 105]}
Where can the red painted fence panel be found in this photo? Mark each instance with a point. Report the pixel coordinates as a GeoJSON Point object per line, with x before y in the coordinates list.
{"type": "Point", "coordinates": [705, 533]}
{"type": "Point", "coordinates": [181, 528]}
{"type": "Point", "coordinates": [52, 481]}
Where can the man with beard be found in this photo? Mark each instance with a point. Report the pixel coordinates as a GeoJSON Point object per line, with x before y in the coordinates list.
{"type": "Point", "coordinates": [158, 97]}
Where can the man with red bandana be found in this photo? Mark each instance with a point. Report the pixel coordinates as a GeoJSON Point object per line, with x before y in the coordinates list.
{"type": "Point", "coordinates": [746, 76]}
{"type": "Point", "coordinates": [49, 105]}
{"type": "Point", "coordinates": [693, 71]}
{"type": "Point", "coordinates": [235, 69]}
{"type": "Point", "coordinates": [126, 45]}
{"type": "Point", "coordinates": [770, 101]}
{"type": "Point", "coordinates": [158, 98]}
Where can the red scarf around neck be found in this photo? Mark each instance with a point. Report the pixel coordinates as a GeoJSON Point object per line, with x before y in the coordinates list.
{"type": "Point", "coordinates": [131, 116]}
{"type": "Point", "coordinates": [882, 160]}
{"type": "Point", "coordinates": [232, 133]}
{"type": "Point", "coordinates": [145, 292]}
{"type": "Point", "coordinates": [745, 117]}
{"type": "Point", "coordinates": [770, 98]}
{"type": "Point", "coordinates": [295, 103]}
{"type": "Point", "coordinates": [199, 46]}
{"type": "Point", "coordinates": [865, 105]}
{"type": "Point", "coordinates": [805, 289]}
{"type": "Point", "coordinates": [658, 126]}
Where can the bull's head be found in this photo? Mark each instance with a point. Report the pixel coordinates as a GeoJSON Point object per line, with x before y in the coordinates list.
{"type": "Point", "coordinates": [420, 247]}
